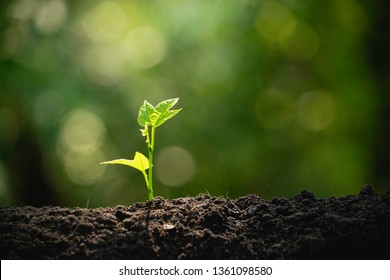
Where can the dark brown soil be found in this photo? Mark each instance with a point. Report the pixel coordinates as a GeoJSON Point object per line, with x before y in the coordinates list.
{"type": "Point", "coordinates": [204, 227]}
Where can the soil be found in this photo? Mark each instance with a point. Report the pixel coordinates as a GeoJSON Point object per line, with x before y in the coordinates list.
{"type": "Point", "coordinates": [204, 227]}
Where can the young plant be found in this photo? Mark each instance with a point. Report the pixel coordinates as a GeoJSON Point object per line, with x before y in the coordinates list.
{"type": "Point", "coordinates": [149, 118]}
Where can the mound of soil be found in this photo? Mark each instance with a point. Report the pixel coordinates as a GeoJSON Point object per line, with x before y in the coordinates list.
{"type": "Point", "coordinates": [204, 227]}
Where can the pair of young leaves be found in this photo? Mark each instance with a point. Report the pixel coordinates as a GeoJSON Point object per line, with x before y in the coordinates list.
{"type": "Point", "coordinates": [153, 117]}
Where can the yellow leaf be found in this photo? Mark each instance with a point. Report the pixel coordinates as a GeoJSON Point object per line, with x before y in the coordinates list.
{"type": "Point", "coordinates": [139, 162]}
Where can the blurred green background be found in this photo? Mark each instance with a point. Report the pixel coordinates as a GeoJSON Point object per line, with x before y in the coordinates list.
{"type": "Point", "coordinates": [277, 97]}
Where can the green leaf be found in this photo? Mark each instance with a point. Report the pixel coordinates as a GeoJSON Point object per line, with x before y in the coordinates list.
{"type": "Point", "coordinates": [166, 116]}
{"type": "Point", "coordinates": [139, 162]}
{"type": "Point", "coordinates": [144, 113]}
{"type": "Point", "coordinates": [148, 115]}
{"type": "Point", "coordinates": [165, 105]}
{"type": "Point", "coordinates": [164, 112]}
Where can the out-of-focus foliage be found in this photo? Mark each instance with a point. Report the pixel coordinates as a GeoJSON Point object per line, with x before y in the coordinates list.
{"type": "Point", "coordinates": [277, 97]}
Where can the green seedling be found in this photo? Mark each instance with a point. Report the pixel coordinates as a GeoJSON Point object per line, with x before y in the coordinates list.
{"type": "Point", "coordinates": [149, 118]}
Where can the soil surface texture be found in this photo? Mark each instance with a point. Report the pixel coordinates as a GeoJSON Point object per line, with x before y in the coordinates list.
{"type": "Point", "coordinates": [204, 227]}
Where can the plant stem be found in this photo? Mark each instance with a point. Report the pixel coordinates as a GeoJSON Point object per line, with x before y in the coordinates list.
{"type": "Point", "coordinates": [146, 178]}
{"type": "Point", "coordinates": [150, 173]}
